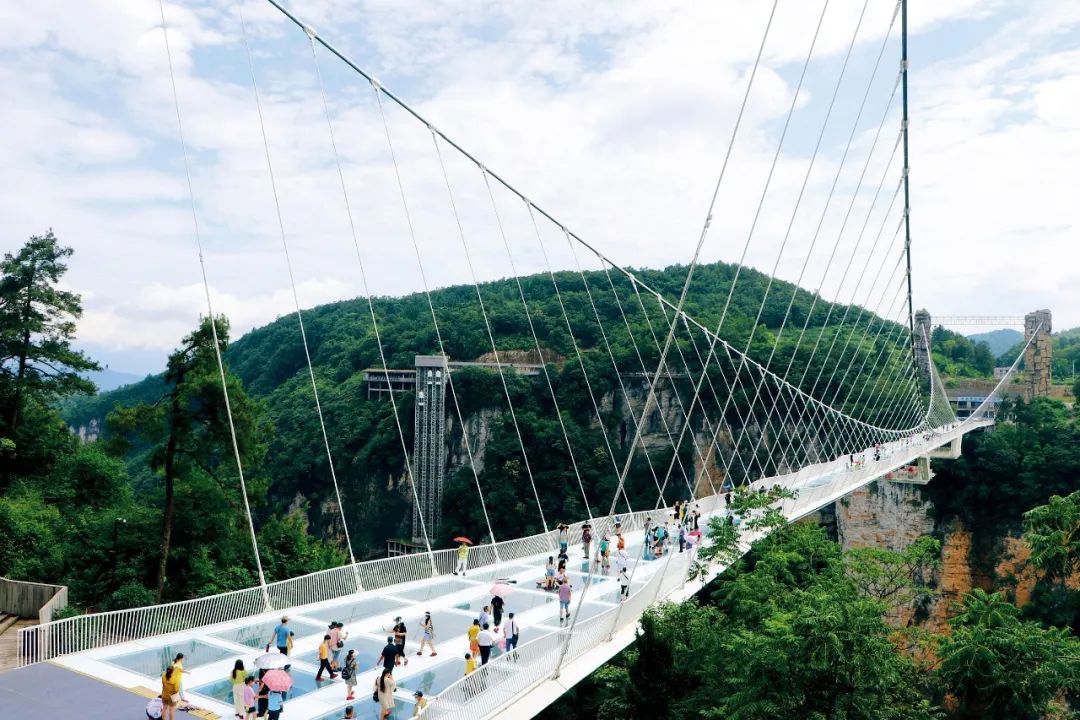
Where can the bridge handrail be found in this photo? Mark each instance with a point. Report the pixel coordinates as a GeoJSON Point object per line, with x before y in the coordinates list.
{"type": "Point", "coordinates": [96, 630]}
{"type": "Point", "coordinates": [87, 632]}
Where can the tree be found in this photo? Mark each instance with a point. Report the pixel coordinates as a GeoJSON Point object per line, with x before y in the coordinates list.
{"type": "Point", "coordinates": [37, 325]}
{"type": "Point", "coordinates": [1002, 668]}
{"type": "Point", "coordinates": [894, 578]}
{"type": "Point", "coordinates": [187, 431]}
{"type": "Point", "coordinates": [1053, 533]}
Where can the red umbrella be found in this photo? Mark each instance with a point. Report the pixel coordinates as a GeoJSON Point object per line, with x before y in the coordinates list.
{"type": "Point", "coordinates": [462, 538]}
{"type": "Point", "coordinates": [277, 680]}
{"type": "Point", "coordinates": [695, 533]}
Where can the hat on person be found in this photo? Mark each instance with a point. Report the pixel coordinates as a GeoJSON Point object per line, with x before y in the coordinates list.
{"type": "Point", "coordinates": [397, 619]}
{"type": "Point", "coordinates": [418, 693]}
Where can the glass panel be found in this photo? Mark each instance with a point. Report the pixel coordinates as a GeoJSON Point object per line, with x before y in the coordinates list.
{"type": "Point", "coordinates": [435, 590]}
{"type": "Point", "coordinates": [303, 683]}
{"type": "Point", "coordinates": [153, 661]}
{"type": "Point", "coordinates": [516, 602]}
{"type": "Point", "coordinates": [349, 612]}
{"type": "Point", "coordinates": [259, 634]}
{"type": "Point", "coordinates": [367, 710]}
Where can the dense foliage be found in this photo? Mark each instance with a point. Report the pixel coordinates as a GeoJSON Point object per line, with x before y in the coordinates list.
{"type": "Point", "coordinates": [957, 356]}
{"type": "Point", "coordinates": [796, 629]}
{"type": "Point", "coordinates": [95, 516]}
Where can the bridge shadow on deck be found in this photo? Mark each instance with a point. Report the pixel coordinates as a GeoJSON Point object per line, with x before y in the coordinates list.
{"type": "Point", "coordinates": [46, 691]}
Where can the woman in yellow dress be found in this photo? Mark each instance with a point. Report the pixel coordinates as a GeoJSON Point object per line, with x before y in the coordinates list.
{"type": "Point", "coordinates": [170, 693]}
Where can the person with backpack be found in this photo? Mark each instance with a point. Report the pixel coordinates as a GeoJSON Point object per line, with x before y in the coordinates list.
{"type": "Point", "coordinates": [586, 539]}
{"type": "Point", "coordinates": [348, 674]}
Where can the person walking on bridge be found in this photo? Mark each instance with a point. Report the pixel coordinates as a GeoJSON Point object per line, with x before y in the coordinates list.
{"type": "Point", "coordinates": [462, 558]}
{"type": "Point", "coordinates": [486, 639]}
{"type": "Point", "coordinates": [324, 660]}
{"type": "Point", "coordinates": [586, 539]}
{"type": "Point", "coordinates": [497, 604]}
{"type": "Point", "coordinates": [283, 636]}
{"type": "Point", "coordinates": [564, 601]}
{"type": "Point", "coordinates": [427, 628]}
{"type": "Point", "coordinates": [348, 674]}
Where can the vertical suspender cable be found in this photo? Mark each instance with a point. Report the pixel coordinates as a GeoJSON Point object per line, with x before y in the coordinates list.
{"type": "Point", "coordinates": [907, 169]}
{"type": "Point", "coordinates": [296, 297]}
{"type": "Point", "coordinates": [210, 310]}
{"type": "Point", "coordinates": [363, 280]}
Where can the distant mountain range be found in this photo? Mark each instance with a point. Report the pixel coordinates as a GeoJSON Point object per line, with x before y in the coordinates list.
{"type": "Point", "coordinates": [998, 340]}
{"type": "Point", "coordinates": [107, 379]}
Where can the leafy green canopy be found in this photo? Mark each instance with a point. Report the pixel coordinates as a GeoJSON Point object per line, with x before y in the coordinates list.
{"type": "Point", "coordinates": [785, 634]}
{"type": "Point", "coordinates": [90, 514]}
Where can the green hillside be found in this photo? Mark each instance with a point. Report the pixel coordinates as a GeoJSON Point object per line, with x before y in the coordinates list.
{"type": "Point", "coordinates": [367, 452]}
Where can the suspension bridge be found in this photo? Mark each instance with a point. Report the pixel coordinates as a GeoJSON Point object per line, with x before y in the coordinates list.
{"type": "Point", "coordinates": [819, 394]}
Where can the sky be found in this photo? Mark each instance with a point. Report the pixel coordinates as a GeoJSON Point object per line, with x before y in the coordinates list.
{"type": "Point", "coordinates": [615, 117]}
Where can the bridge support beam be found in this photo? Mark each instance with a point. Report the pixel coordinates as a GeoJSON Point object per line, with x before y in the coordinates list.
{"type": "Point", "coordinates": [947, 452]}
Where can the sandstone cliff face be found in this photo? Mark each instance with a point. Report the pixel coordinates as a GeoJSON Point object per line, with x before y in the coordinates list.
{"type": "Point", "coordinates": [893, 515]}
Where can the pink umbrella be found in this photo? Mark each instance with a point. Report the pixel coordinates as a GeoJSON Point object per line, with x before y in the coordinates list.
{"type": "Point", "coordinates": [277, 680]}
{"type": "Point", "coordinates": [501, 589]}
{"type": "Point", "coordinates": [694, 533]}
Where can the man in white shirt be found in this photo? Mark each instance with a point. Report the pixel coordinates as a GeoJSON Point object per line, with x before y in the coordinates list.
{"type": "Point", "coordinates": [485, 640]}
{"type": "Point", "coordinates": [511, 632]}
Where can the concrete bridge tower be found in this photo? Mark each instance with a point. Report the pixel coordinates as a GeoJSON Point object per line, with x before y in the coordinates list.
{"type": "Point", "coordinates": [1037, 358]}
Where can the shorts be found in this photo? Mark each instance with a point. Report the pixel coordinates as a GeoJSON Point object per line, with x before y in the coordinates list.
{"type": "Point", "coordinates": [400, 649]}
{"type": "Point", "coordinates": [564, 605]}
{"type": "Point", "coordinates": [549, 573]}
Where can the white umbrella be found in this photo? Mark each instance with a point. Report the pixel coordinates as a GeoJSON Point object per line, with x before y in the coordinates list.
{"type": "Point", "coordinates": [271, 661]}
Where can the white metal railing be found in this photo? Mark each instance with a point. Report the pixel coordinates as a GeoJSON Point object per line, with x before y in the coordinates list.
{"type": "Point", "coordinates": [86, 632]}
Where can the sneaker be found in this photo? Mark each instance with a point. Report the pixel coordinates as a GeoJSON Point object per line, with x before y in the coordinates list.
{"type": "Point", "coordinates": [421, 652]}
{"type": "Point", "coordinates": [434, 654]}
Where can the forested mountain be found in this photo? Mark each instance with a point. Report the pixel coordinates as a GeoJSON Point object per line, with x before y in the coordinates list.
{"type": "Point", "coordinates": [999, 341]}
{"type": "Point", "coordinates": [271, 365]}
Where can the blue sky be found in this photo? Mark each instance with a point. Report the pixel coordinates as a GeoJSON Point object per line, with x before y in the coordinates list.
{"type": "Point", "coordinates": [614, 116]}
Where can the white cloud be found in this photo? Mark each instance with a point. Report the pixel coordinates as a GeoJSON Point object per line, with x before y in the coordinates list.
{"type": "Point", "coordinates": [615, 116]}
